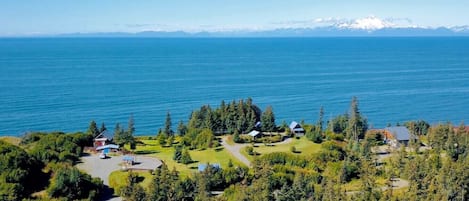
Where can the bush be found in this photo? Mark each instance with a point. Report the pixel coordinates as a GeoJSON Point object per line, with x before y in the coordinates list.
{"type": "Point", "coordinates": [250, 150]}
{"type": "Point", "coordinates": [185, 157]}
{"type": "Point", "coordinates": [293, 149]}
{"type": "Point", "coordinates": [69, 182]}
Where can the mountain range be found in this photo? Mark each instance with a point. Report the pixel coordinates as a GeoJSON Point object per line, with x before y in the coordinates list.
{"type": "Point", "coordinates": [327, 31]}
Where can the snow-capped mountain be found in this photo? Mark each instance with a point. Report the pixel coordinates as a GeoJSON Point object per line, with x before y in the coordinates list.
{"type": "Point", "coordinates": [321, 27]}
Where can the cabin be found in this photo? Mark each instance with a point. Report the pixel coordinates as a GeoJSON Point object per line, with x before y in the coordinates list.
{"type": "Point", "coordinates": [296, 129]}
{"type": "Point", "coordinates": [255, 134]}
{"type": "Point", "coordinates": [101, 139]}
{"type": "Point", "coordinates": [397, 136]}
{"type": "Point", "coordinates": [202, 167]}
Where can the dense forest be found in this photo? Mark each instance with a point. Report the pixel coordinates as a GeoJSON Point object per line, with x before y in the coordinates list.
{"type": "Point", "coordinates": [42, 167]}
{"type": "Point", "coordinates": [434, 162]}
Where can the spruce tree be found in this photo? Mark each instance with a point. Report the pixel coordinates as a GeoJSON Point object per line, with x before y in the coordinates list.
{"type": "Point", "coordinates": [93, 129]}
{"type": "Point", "coordinates": [268, 120]}
{"type": "Point", "coordinates": [103, 128]}
{"type": "Point", "coordinates": [167, 124]}
{"type": "Point", "coordinates": [321, 119]}
{"type": "Point", "coordinates": [182, 129]}
{"type": "Point", "coordinates": [129, 134]}
{"type": "Point", "coordinates": [186, 157]}
{"type": "Point", "coordinates": [357, 125]}
{"type": "Point", "coordinates": [118, 138]}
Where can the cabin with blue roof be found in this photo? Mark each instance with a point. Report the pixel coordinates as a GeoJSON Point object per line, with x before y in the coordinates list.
{"type": "Point", "coordinates": [397, 135]}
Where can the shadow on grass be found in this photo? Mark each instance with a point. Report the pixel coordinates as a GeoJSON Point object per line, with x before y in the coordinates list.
{"type": "Point", "coordinates": [142, 152]}
{"type": "Point", "coordinates": [219, 149]}
{"type": "Point", "coordinates": [192, 162]}
{"type": "Point", "coordinates": [107, 193]}
{"type": "Point", "coordinates": [296, 152]}
{"type": "Point", "coordinates": [255, 154]}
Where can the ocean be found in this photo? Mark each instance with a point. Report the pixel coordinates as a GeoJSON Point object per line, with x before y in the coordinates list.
{"type": "Point", "coordinates": [61, 84]}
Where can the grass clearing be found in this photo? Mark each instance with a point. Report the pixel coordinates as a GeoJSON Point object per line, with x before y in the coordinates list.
{"type": "Point", "coordinates": [214, 155]}
{"type": "Point", "coordinates": [12, 140]}
{"type": "Point", "coordinates": [303, 147]}
{"type": "Point", "coordinates": [118, 179]}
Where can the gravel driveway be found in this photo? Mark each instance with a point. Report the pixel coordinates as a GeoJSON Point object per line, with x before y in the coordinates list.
{"type": "Point", "coordinates": [102, 168]}
{"type": "Point", "coordinates": [235, 151]}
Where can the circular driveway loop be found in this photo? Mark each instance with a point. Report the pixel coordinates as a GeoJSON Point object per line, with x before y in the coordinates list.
{"type": "Point", "coordinates": [102, 168]}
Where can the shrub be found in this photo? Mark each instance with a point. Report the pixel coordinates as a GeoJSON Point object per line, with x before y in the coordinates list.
{"type": "Point", "coordinates": [250, 150]}
{"type": "Point", "coordinates": [293, 149]}
{"type": "Point", "coordinates": [185, 157]}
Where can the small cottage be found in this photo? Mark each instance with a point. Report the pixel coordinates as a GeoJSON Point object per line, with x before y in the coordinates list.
{"type": "Point", "coordinates": [101, 139]}
{"type": "Point", "coordinates": [397, 135]}
{"type": "Point", "coordinates": [296, 129]}
{"type": "Point", "coordinates": [255, 134]}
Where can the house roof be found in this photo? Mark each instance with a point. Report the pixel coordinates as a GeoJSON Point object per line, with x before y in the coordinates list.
{"type": "Point", "coordinates": [254, 133]}
{"type": "Point", "coordinates": [109, 146]}
{"type": "Point", "coordinates": [100, 139]}
{"type": "Point", "coordinates": [102, 135]}
{"type": "Point", "coordinates": [202, 167]}
{"type": "Point", "coordinates": [294, 125]}
{"type": "Point", "coordinates": [399, 132]}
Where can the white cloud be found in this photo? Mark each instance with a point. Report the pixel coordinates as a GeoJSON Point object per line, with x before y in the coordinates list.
{"type": "Point", "coordinates": [367, 23]}
{"type": "Point", "coordinates": [370, 23]}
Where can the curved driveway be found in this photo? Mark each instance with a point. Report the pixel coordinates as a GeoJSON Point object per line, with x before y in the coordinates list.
{"type": "Point", "coordinates": [102, 168]}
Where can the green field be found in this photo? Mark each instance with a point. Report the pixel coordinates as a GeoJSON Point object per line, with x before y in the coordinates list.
{"type": "Point", "coordinates": [118, 179]}
{"type": "Point", "coordinates": [303, 147]}
{"type": "Point", "coordinates": [214, 155]}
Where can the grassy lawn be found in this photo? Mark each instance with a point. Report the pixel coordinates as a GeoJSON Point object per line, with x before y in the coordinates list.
{"type": "Point", "coordinates": [303, 147]}
{"type": "Point", "coordinates": [118, 179]}
{"type": "Point", "coordinates": [214, 155]}
{"type": "Point", "coordinates": [12, 140]}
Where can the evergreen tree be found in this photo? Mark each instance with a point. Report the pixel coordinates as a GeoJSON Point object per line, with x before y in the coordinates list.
{"type": "Point", "coordinates": [131, 127]}
{"type": "Point", "coordinates": [118, 135]}
{"type": "Point", "coordinates": [236, 137]}
{"type": "Point", "coordinates": [128, 137]}
{"type": "Point", "coordinates": [93, 129]}
{"type": "Point", "coordinates": [177, 153]}
{"type": "Point", "coordinates": [185, 157]}
{"type": "Point", "coordinates": [320, 119]}
{"type": "Point", "coordinates": [268, 120]}
{"type": "Point", "coordinates": [170, 141]}
{"type": "Point", "coordinates": [357, 125]}
{"type": "Point", "coordinates": [161, 137]}
{"type": "Point", "coordinates": [102, 128]}
{"type": "Point", "coordinates": [182, 129]}
{"type": "Point", "coordinates": [314, 134]}
{"type": "Point", "coordinates": [133, 191]}
{"type": "Point", "coordinates": [167, 125]}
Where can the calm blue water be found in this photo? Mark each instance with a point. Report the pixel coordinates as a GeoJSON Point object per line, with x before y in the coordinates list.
{"type": "Point", "coordinates": [62, 84]}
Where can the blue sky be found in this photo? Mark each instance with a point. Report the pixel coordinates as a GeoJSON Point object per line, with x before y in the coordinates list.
{"type": "Point", "coordinates": [26, 17]}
